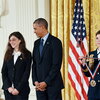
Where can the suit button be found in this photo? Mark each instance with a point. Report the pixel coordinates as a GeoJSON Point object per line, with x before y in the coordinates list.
{"type": "Point", "coordinates": [98, 80]}
{"type": "Point", "coordinates": [98, 72]}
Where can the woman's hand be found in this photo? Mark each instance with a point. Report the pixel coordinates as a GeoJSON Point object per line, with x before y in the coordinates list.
{"type": "Point", "coordinates": [10, 89]}
{"type": "Point", "coordinates": [15, 92]}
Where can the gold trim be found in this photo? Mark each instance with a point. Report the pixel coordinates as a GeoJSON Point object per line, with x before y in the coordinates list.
{"type": "Point", "coordinates": [85, 70]}
{"type": "Point", "coordinates": [93, 83]}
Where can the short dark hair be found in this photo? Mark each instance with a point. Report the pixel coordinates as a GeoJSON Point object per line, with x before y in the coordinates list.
{"type": "Point", "coordinates": [98, 32]}
{"type": "Point", "coordinates": [41, 21]}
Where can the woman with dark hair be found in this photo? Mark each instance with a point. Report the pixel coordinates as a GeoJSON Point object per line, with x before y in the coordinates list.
{"type": "Point", "coordinates": [16, 68]}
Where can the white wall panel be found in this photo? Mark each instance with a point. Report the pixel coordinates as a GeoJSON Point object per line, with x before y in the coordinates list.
{"type": "Point", "coordinates": [20, 17]}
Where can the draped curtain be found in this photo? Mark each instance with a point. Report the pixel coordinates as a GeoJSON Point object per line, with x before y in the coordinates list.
{"type": "Point", "coordinates": [60, 26]}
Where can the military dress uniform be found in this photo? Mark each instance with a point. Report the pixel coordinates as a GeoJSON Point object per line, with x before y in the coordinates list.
{"type": "Point", "coordinates": [94, 83]}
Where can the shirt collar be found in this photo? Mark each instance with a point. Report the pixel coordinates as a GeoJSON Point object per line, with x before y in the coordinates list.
{"type": "Point", "coordinates": [98, 52]}
{"type": "Point", "coordinates": [17, 53]}
{"type": "Point", "coordinates": [45, 38]}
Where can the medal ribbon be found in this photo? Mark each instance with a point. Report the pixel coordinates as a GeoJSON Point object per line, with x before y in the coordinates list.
{"type": "Point", "coordinates": [93, 75]}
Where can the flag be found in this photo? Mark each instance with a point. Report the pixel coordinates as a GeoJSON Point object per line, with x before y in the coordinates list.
{"type": "Point", "coordinates": [78, 47]}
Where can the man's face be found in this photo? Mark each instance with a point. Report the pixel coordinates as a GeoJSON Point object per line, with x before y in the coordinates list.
{"type": "Point", "coordinates": [38, 30]}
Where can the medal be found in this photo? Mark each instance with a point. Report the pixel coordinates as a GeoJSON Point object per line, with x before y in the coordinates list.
{"type": "Point", "coordinates": [89, 67]}
{"type": "Point", "coordinates": [93, 83]}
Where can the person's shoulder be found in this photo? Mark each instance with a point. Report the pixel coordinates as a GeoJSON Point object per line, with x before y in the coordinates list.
{"type": "Point", "coordinates": [92, 52]}
{"type": "Point", "coordinates": [28, 52]}
{"type": "Point", "coordinates": [56, 39]}
{"type": "Point", "coordinates": [36, 41]}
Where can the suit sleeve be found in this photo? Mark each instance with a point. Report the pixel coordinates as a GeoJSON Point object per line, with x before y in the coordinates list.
{"type": "Point", "coordinates": [6, 81]}
{"type": "Point", "coordinates": [34, 75]}
{"type": "Point", "coordinates": [56, 61]}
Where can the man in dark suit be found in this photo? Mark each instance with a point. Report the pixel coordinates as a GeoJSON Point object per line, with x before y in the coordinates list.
{"type": "Point", "coordinates": [47, 59]}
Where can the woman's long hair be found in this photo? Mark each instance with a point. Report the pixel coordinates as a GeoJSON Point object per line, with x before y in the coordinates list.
{"type": "Point", "coordinates": [22, 46]}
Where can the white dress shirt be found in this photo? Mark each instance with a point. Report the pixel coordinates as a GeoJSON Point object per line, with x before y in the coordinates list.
{"type": "Point", "coordinates": [45, 38]}
{"type": "Point", "coordinates": [16, 55]}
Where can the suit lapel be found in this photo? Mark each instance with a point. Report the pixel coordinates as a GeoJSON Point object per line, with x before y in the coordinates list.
{"type": "Point", "coordinates": [18, 60]}
{"type": "Point", "coordinates": [12, 61]}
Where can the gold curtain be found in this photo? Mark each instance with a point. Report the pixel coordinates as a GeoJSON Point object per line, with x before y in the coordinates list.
{"type": "Point", "coordinates": [61, 23]}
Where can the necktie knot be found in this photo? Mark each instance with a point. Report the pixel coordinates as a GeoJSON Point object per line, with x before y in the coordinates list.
{"type": "Point", "coordinates": [42, 41]}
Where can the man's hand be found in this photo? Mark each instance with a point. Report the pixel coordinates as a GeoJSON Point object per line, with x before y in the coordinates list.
{"type": "Point", "coordinates": [37, 85]}
{"type": "Point", "coordinates": [40, 86]}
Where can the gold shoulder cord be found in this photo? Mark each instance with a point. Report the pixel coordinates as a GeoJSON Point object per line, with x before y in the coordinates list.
{"type": "Point", "coordinates": [85, 70]}
{"type": "Point", "coordinates": [91, 61]}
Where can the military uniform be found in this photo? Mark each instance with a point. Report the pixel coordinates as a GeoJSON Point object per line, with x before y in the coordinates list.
{"type": "Point", "coordinates": [94, 83]}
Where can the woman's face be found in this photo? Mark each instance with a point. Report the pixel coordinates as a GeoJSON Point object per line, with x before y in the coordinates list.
{"type": "Point", "coordinates": [98, 40]}
{"type": "Point", "coordinates": [14, 42]}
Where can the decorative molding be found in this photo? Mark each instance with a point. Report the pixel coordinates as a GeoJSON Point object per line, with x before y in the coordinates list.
{"type": "Point", "coordinates": [1, 94]}
{"type": "Point", "coordinates": [4, 7]}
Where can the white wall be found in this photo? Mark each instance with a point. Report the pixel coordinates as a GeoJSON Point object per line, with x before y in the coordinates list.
{"type": "Point", "coordinates": [19, 16]}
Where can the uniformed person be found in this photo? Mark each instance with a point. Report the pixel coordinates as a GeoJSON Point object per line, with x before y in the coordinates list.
{"type": "Point", "coordinates": [90, 67]}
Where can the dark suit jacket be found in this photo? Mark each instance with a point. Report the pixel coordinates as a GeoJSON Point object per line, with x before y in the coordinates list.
{"type": "Point", "coordinates": [18, 73]}
{"type": "Point", "coordinates": [47, 68]}
{"type": "Point", "coordinates": [94, 92]}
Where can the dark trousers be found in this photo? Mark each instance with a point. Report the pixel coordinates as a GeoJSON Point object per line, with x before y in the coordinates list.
{"type": "Point", "coordinates": [45, 95]}
{"type": "Point", "coordinates": [9, 96]}
{"type": "Point", "coordinates": [93, 99]}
